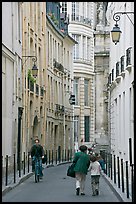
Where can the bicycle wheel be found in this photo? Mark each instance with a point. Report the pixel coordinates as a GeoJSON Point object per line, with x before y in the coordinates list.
{"type": "Point", "coordinates": [37, 171]}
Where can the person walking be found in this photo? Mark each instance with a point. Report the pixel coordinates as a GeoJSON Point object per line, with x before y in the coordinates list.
{"type": "Point", "coordinates": [37, 151]}
{"type": "Point", "coordinates": [95, 171]}
{"type": "Point", "coordinates": [101, 161]}
{"type": "Point", "coordinates": [82, 160]}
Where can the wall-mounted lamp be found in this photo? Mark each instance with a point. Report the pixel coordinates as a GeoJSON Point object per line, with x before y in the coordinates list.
{"type": "Point", "coordinates": [115, 33]}
{"type": "Point", "coordinates": [34, 68]}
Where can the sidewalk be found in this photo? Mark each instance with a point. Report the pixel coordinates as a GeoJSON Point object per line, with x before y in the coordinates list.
{"type": "Point", "coordinates": [23, 177]}
{"type": "Point", "coordinates": [12, 185]}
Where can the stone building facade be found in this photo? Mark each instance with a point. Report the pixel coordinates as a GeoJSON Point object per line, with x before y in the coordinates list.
{"type": "Point", "coordinates": [59, 78]}
{"type": "Point", "coordinates": [121, 82]}
{"type": "Point", "coordinates": [34, 88]}
{"type": "Point", "coordinates": [11, 76]}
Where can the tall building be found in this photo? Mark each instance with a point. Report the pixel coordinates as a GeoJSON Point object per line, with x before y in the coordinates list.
{"type": "Point", "coordinates": [88, 26]}
{"type": "Point", "coordinates": [101, 67]}
{"type": "Point", "coordinates": [59, 82]}
{"type": "Point", "coordinates": [81, 27]}
{"type": "Point", "coordinates": [34, 89]}
{"type": "Point", "coordinates": [11, 77]}
{"type": "Point", "coordinates": [121, 81]}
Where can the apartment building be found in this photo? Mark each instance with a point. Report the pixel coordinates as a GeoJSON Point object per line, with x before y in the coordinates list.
{"type": "Point", "coordinates": [121, 81]}
{"type": "Point", "coordinates": [11, 76]}
{"type": "Point", "coordinates": [59, 78]}
{"type": "Point", "coordinates": [34, 87]}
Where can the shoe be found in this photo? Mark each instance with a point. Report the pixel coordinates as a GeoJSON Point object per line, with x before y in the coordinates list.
{"type": "Point", "coordinates": [93, 194]}
{"type": "Point", "coordinates": [97, 192]}
{"type": "Point", "coordinates": [82, 193]}
{"type": "Point", "coordinates": [77, 191]}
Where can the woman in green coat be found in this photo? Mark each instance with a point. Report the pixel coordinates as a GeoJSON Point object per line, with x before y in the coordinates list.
{"type": "Point", "coordinates": [82, 160]}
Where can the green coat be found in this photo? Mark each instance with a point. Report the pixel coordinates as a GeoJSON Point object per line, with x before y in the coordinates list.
{"type": "Point", "coordinates": [82, 162]}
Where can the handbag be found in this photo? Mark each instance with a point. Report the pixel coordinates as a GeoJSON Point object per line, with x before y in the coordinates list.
{"type": "Point", "coordinates": [44, 159]}
{"type": "Point", "coordinates": [70, 170]}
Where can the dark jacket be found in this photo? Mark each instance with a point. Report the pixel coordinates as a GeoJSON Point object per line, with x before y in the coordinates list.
{"type": "Point", "coordinates": [37, 150]}
{"type": "Point", "coordinates": [82, 161]}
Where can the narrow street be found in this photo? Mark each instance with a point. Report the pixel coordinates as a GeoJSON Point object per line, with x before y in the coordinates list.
{"type": "Point", "coordinates": [57, 187]}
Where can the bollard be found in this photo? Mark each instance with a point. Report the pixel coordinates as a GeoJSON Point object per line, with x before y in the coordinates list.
{"type": "Point", "coordinates": [24, 163]}
{"type": "Point", "coordinates": [106, 163]}
{"type": "Point", "coordinates": [65, 155]}
{"type": "Point", "coordinates": [6, 170]}
{"type": "Point", "coordinates": [52, 156]}
{"type": "Point", "coordinates": [14, 169]}
{"type": "Point", "coordinates": [127, 181]}
{"type": "Point", "coordinates": [111, 165]}
{"type": "Point", "coordinates": [62, 155]}
{"type": "Point", "coordinates": [28, 162]}
{"type": "Point", "coordinates": [19, 167]}
{"type": "Point", "coordinates": [56, 156]}
{"type": "Point", "coordinates": [132, 181]}
{"type": "Point", "coordinates": [122, 175]}
{"type": "Point", "coordinates": [114, 169]}
{"type": "Point", "coordinates": [49, 157]}
{"type": "Point", "coordinates": [118, 172]}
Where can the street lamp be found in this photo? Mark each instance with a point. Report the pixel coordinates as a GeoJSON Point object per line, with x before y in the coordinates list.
{"type": "Point", "coordinates": [115, 33]}
{"type": "Point", "coordinates": [34, 68]}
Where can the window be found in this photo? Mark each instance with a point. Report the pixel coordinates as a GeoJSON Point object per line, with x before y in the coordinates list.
{"type": "Point", "coordinates": [117, 69]}
{"type": "Point", "coordinates": [128, 56]}
{"type": "Point", "coordinates": [75, 10]}
{"type": "Point", "coordinates": [64, 7]}
{"type": "Point", "coordinates": [112, 74]}
{"type": "Point", "coordinates": [86, 128]}
{"type": "Point", "coordinates": [76, 128]}
{"type": "Point", "coordinates": [76, 81]}
{"type": "Point", "coordinates": [88, 49]}
{"type": "Point", "coordinates": [76, 47]}
{"type": "Point", "coordinates": [84, 47]}
{"type": "Point", "coordinates": [86, 92]}
{"type": "Point", "coordinates": [122, 63]}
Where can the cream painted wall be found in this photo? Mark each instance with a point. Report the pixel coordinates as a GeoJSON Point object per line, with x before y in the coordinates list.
{"type": "Point", "coordinates": [122, 125]}
{"type": "Point", "coordinates": [11, 67]}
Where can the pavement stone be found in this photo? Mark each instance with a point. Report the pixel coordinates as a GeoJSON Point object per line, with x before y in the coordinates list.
{"type": "Point", "coordinates": [114, 188]}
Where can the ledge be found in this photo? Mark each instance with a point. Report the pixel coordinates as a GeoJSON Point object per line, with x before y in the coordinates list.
{"type": "Point", "coordinates": [118, 79]}
{"type": "Point", "coordinates": [123, 74]}
{"type": "Point", "coordinates": [128, 68]}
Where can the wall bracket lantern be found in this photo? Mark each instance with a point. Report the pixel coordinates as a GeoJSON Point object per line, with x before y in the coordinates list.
{"type": "Point", "coordinates": [34, 68]}
{"type": "Point", "coordinates": [116, 32]}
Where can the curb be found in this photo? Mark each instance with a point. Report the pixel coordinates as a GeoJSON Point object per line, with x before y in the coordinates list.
{"type": "Point", "coordinates": [8, 188]}
{"type": "Point", "coordinates": [116, 190]}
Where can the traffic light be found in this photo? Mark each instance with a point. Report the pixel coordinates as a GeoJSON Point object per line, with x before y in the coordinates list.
{"type": "Point", "coordinates": [72, 99]}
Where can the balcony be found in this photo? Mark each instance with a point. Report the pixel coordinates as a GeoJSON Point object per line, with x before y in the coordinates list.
{"type": "Point", "coordinates": [58, 66]}
{"type": "Point", "coordinates": [128, 59]}
{"type": "Point", "coordinates": [81, 19]}
{"type": "Point", "coordinates": [59, 109]}
{"type": "Point", "coordinates": [37, 89]}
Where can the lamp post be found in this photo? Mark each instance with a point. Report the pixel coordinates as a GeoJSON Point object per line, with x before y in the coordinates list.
{"type": "Point", "coordinates": [115, 33]}
{"type": "Point", "coordinates": [34, 68]}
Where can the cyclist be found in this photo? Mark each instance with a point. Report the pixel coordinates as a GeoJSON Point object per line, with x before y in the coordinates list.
{"type": "Point", "coordinates": [37, 152]}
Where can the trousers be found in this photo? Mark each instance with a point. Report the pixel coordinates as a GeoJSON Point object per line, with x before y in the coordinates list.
{"type": "Point", "coordinates": [95, 183]}
{"type": "Point", "coordinates": [80, 181]}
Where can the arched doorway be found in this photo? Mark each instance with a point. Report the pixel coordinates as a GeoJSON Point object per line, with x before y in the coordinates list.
{"type": "Point", "coordinates": [35, 128]}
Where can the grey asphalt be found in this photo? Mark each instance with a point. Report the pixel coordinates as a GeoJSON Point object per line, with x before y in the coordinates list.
{"type": "Point", "coordinates": [57, 187]}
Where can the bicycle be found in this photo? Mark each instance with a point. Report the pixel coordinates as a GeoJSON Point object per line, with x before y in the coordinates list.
{"type": "Point", "coordinates": [37, 169]}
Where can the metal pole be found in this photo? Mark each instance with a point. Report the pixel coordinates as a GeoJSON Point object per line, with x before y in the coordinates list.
{"type": "Point", "coordinates": [122, 175]}
{"type": "Point", "coordinates": [127, 181]}
{"type": "Point", "coordinates": [6, 170]}
{"type": "Point", "coordinates": [114, 169]}
{"type": "Point", "coordinates": [14, 169]}
{"type": "Point", "coordinates": [118, 172]}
